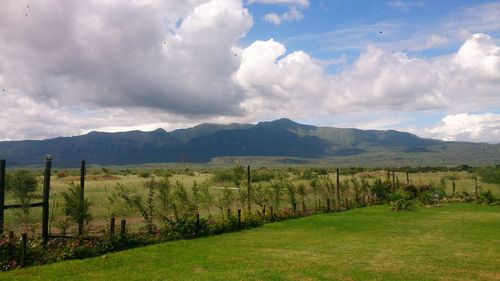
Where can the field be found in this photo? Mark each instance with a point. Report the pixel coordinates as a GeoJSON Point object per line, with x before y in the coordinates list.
{"type": "Point", "coordinates": [100, 186]}
{"type": "Point", "coordinates": [458, 241]}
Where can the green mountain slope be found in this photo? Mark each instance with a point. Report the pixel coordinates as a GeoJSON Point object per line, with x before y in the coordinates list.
{"type": "Point", "coordinates": [279, 138]}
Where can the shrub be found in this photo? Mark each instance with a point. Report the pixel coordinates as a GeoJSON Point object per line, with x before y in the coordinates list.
{"type": "Point", "coordinates": [22, 184]}
{"type": "Point", "coordinates": [486, 197]}
{"type": "Point", "coordinates": [144, 174]}
{"type": "Point", "coordinates": [76, 210]}
{"type": "Point", "coordinates": [381, 189]}
{"type": "Point", "coordinates": [490, 175]}
{"type": "Point", "coordinates": [400, 200]}
{"type": "Point", "coordinates": [184, 227]}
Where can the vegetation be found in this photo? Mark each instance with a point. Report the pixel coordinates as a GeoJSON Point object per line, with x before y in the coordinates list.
{"type": "Point", "coordinates": [363, 244]}
{"type": "Point", "coordinates": [76, 210]}
{"type": "Point", "coordinates": [23, 185]}
{"type": "Point", "coordinates": [185, 203]}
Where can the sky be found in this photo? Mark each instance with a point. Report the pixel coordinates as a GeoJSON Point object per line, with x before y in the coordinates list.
{"type": "Point", "coordinates": [427, 67]}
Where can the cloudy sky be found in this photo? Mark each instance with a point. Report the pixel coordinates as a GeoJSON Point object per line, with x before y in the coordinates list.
{"type": "Point", "coordinates": [428, 67]}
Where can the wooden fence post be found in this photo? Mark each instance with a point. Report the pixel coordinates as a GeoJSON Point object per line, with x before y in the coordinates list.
{"type": "Point", "coordinates": [328, 205]}
{"type": "Point", "coordinates": [294, 206]}
{"type": "Point", "coordinates": [337, 190]}
{"type": "Point", "coordinates": [475, 192]}
{"type": "Point", "coordinates": [197, 226]}
{"type": "Point", "coordinates": [122, 228]}
{"type": "Point", "coordinates": [249, 189]}
{"type": "Point", "coordinates": [454, 186]}
{"type": "Point", "coordinates": [393, 181]}
{"type": "Point", "coordinates": [2, 193]}
{"type": "Point", "coordinates": [46, 191]}
{"type": "Point", "coordinates": [24, 240]}
{"type": "Point", "coordinates": [407, 178]}
{"type": "Point", "coordinates": [112, 226]}
{"type": "Point", "coordinates": [82, 196]}
{"type": "Point", "coordinates": [346, 204]}
{"type": "Point", "coordinates": [11, 244]}
{"type": "Point", "coordinates": [239, 218]}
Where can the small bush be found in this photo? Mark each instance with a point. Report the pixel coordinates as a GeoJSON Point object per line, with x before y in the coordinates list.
{"type": "Point", "coordinates": [401, 200]}
{"type": "Point", "coordinates": [184, 228]}
{"type": "Point", "coordinates": [486, 197]}
{"type": "Point", "coordinates": [144, 174]}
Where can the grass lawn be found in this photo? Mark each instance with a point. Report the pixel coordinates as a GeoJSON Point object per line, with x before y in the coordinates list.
{"type": "Point", "coordinates": [453, 242]}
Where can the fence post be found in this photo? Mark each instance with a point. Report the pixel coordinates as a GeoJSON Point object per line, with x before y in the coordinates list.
{"type": "Point", "coordinates": [112, 226]}
{"type": "Point", "coordinates": [197, 226]}
{"type": "Point", "coordinates": [46, 191]}
{"type": "Point", "coordinates": [11, 244]}
{"type": "Point", "coordinates": [337, 190]}
{"type": "Point", "coordinates": [82, 193]}
{"type": "Point", "coordinates": [393, 181]}
{"type": "Point", "coordinates": [249, 189]}
{"type": "Point", "coordinates": [346, 204]}
{"type": "Point", "coordinates": [239, 218]}
{"type": "Point", "coordinates": [23, 248]}
{"type": "Point", "coordinates": [122, 228]}
{"type": "Point", "coordinates": [407, 178]}
{"type": "Point", "coordinates": [328, 205]}
{"type": "Point", "coordinates": [294, 208]}
{"type": "Point", "coordinates": [2, 193]}
{"type": "Point", "coordinates": [475, 192]}
{"type": "Point", "coordinates": [454, 188]}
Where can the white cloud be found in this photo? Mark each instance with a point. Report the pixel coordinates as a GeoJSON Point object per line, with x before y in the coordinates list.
{"type": "Point", "coordinates": [404, 5]}
{"type": "Point", "coordinates": [273, 18]}
{"type": "Point", "coordinates": [112, 65]}
{"type": "Point", "coordinates": [467, 127]}
{"type": "Point", "coordinates": [293, 14]}
{"type": "Point", "coordinates": [430, 42]}
{"type": "Point", "coordinates": [133, 54]}
{"type": "Point", "coordinates": [302, 3]}
{"type": "Point", "coordinates": [279, 85]}
{"type": "Point", "coordinates": [481, 54]}
{"type": "Point", "coordinates": [297, 85]}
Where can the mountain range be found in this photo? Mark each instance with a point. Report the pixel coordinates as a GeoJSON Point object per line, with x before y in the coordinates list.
{"type": "Point", "coordinates": [281, 139]}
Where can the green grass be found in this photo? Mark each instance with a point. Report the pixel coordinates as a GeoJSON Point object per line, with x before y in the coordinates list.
{"type": "Point", "coordinates": [453, 242]}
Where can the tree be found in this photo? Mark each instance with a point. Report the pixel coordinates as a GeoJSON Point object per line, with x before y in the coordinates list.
{"type": "Point", "coordinates": [276, 194]}
{"type": "Point", "coordinates": [225, 200]}
{"type": "Point", "coordinates": [23, 185]}
{"type": "Point", "coordinates": [291, 194]}
{"type": "Point", "coordinates": [238, 174]}
{"type": "Point", "coordinates": [301, 189]}
{"type": "Point", "coordinates": [206, 198]}
{"type": "Point", "coordinates": [314, 186]}
{"type": "Point", "coordinates": [260, 195]}
{"type": "Point", "coordinates": [166, 199]}
{"type": "Point", "coordinates": [76, 210]}
{"type": "Point", "coordinates": [135, 201]}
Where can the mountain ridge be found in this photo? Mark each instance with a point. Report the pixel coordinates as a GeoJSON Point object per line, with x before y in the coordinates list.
{"type": "Point", "coordinates": [206, 141]}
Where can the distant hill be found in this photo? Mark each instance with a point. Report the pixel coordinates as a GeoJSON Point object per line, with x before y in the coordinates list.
{"type": "Point", "coordinates": [282, 139]}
